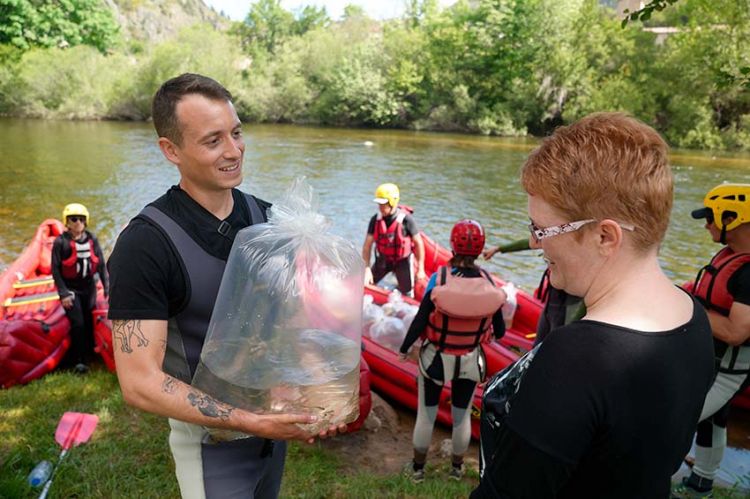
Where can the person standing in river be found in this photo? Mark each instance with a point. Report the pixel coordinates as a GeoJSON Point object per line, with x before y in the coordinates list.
{"type": "Point", "coordinates": [397, 242]}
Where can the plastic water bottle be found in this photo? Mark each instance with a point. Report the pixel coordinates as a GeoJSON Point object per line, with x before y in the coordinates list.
{"type": "Point", "coordinates": [40, 473]}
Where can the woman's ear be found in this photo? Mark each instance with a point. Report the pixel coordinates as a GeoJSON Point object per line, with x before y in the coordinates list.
{"type": "Point", "coordinates": [609, 236]}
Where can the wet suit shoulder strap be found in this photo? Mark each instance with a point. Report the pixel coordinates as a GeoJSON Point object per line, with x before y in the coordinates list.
{"type": "Point", "coordinates": [257, 216]}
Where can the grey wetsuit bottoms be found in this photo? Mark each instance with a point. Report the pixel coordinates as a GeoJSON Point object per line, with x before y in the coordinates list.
{"type": "Point", "coordinates": [248, 468]}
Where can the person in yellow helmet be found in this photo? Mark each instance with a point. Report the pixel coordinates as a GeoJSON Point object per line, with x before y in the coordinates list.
{"type": "Point", "coordinates": [723, 287]}
{"type": "Point", "coordinates": [396, 238]}
{"type": "Point", "coordinates": [76, 259]}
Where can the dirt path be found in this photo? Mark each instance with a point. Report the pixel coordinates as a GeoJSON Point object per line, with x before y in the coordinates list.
{"type": "Point", "coordinates": [386, 449]}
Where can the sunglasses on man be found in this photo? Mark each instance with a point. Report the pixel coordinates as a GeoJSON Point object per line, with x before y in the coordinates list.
{"type": "Point", "coordinates": [76, 218]}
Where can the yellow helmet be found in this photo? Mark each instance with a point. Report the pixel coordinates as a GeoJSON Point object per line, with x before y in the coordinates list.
{"type": "Point", "coordinates": [724, 200]}
{"type": "Point", "coordinates": [387, 193]}
{"type": "Point", "coordinates": [75, 209]}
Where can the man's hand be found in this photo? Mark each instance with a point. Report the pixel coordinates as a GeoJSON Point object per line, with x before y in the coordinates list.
{"type": "Point", "coordinates": [67, 302]}
{"type": "Point", "coordinates": [421, 274]}
{"type": "Point", "coordinates": [332, 431]}
{"type": "Point", "coordinates": [286, 427]}
{"type": "Point", "coordinates": [403, 357]}
{"type": "Point", "coordinates": [281, 426]}
{"type": "Point", "coordinates": [368, 276]}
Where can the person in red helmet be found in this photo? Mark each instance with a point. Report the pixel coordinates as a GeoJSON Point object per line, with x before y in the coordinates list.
{"type": "Point", "coordinates": [459, 299]}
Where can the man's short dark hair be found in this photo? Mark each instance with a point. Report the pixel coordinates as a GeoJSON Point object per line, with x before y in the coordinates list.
{"type": "Point", "coordinates": [169, 94]}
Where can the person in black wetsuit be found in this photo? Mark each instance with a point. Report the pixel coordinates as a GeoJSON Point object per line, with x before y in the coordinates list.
{"type": "Point", "coordinates": [461, 310]}
{"type": "Point", "coordinates": [605, 406]}
{"type": "Point", "coordinates": [76, 259]}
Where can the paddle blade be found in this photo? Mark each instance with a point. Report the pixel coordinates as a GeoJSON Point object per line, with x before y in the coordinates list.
{"type": "Point", "coordinates": [75, 428]}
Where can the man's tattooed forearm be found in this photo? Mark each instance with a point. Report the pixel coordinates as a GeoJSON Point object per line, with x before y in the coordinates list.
{"type": "Point", "coordinates": [169, 385]}
{"type": "Point", "coordinates": [209, 406]}
{"type": "Point", "coordinates": [124, 332]}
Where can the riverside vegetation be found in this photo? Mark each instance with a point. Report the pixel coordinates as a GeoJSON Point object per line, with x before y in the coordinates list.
{"type": "Point", "coordinates": [499, 67]}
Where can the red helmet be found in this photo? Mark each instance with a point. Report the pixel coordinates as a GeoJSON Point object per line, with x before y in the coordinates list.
{"type": "Point", "coordinates": [467, 238]}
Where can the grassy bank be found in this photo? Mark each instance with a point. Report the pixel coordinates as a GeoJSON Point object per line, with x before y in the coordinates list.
{"type": "Point", "coordinates": [128, 455]}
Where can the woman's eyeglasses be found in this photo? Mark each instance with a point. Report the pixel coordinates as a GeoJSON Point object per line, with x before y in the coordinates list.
{"type": "Point", "coordinates": [539, 233]}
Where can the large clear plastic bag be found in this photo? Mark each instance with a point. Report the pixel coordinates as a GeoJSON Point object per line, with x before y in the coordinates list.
{"type": "Point", "coordinates": [285, 332]}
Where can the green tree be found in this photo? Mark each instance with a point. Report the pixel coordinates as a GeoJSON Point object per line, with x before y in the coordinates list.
{"type": "Point", "coordinates": [266, 25]}
{"type": "Point", "coordinates": [57, 23]}
{"type": "Point", "coordinates": [420, 11]}
{"type": "Point", "coordinates": [310, 18]}
{"type": "Point", "coordinates": [352, 11]}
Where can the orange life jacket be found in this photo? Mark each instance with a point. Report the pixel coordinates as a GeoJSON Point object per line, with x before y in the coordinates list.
{"type": "Point", "coordinates": [464, 307]}
{"type": "Point", "coordinates": [390, 241]}
{"type": "Point", "coordinates": [712, 280]}
{"type": "Point", "coordinates": [69, 265]}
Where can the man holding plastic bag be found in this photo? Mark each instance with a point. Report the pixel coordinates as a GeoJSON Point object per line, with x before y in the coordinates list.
{"type": "Point", "coordinates": [166, 269]}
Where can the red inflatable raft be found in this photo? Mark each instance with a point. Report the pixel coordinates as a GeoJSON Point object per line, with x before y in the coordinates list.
{"type": "Point", "coordinates": [34, 331]}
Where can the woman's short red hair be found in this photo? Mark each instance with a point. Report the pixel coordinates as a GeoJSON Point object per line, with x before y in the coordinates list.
{"type": "Point", "coordinates": [606, 166]}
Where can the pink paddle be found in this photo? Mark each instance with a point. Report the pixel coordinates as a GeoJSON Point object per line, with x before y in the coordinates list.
{"type": "Point", "coordinates": [73, 429]}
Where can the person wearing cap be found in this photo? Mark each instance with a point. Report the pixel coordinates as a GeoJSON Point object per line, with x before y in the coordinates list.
{"type": "Point", "coordinates": [723, 287]}
{"type": "Point", "coordinates": [76, 259]}
{"type": "Point", "coordinates": [461, 310]}
{"type": "Point", "coordinates": [397, 242]}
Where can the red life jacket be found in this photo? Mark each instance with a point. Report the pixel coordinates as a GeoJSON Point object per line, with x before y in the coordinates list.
{"type": "Point", "coordinates": [464, 307]}
{"type": "Point", "coordinates": [711, 283]}
{"type": "Point", "coordinates": [390, 241]}
{"type": "Point", "coordinates": [69, 265]}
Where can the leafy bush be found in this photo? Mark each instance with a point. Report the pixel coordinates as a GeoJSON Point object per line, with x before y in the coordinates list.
{"type": "Point", "coordinates": [75, 83]}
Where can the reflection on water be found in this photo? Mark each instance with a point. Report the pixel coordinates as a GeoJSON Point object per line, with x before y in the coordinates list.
{"type": "Point", "coordinates": [116, 168]}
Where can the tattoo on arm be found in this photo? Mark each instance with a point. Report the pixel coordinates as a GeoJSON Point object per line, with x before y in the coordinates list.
{"type": "Point", "coordinates": [169, 385]}
{"type": "Point", "coordinates": [208, 406]}
{"type": "Point", "coordinates": [125, 330]}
